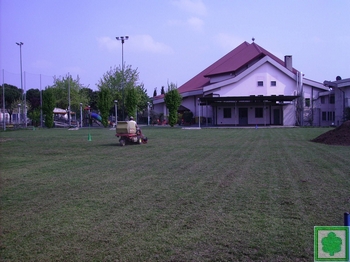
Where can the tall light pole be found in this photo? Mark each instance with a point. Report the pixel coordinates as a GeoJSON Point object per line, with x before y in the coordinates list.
{"type": "Point", "coordinates": [116, 112]}
{"type": "Point", "coordinates": [199, 112]}
{"type": "Point", "coordinates": [20, 59]}
{"type": "Point", "coordinates": [81, 115]}
{"type": "Point", "coordinates": [148, 105]}
{"type": "Point", "coordinates": [19, 114]}
{"type": "Point", "coordinates": [122, 39]}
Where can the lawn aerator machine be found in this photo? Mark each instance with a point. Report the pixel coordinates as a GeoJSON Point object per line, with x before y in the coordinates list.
{"type": "Point", "coordinates": [129, 134]}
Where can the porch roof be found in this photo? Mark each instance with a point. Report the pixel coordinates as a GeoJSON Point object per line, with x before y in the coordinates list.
{"type": "Point", "coordinates": [251, 99]}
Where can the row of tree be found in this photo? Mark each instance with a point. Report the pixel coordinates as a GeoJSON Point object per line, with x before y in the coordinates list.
{"type": "Point", "coordinates": [69, 93]}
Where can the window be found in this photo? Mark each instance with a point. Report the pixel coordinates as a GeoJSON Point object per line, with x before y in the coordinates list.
{"type": "Point", "coordinates": [324, 116]}
{"type": "Point", "coordinates": [259, 112]}
{"type": "Point", "coordinates": [331, 116]}
{"type": "Point", "coordinates": [273, 83]}
{"type": "Point", "coordinates": [322, 100]}
{"type": "Point", "coordinates": [227, 112]}
{"type": "Point", "coordinates": [307, 102]}
{"type": "Point", "coordinates": [260, 83]}
{"type": "Point", "coordinates": [332, 99]}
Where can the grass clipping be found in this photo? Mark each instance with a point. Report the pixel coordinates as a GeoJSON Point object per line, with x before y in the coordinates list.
{"type": "Point", "coordinates": [337, 136]}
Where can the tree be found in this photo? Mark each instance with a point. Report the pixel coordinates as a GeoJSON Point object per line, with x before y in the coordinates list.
{"type": "Point", "coordinates": [121, 84]}
{"type": "Point", "coordinates": [92, 97]}
{"type": "Point", "coordinates": [162, 92]}
{"type": "Point", "coordinates": [34, 115]}
{"type": "Point", "coordinates": [104, 104]}
{"type": "Point", "coordinates": [64, 85]}
{"type": "Point", "coordinates": [12, 94]}
{"type": "Point", "coordinates": [131, 101]}
{"type": "Point", "coordinates": [172, 101]}
{"type": "Point", "coordinates": [33, 96]}
{"type": "Point", "coordinates": [155, 92]}
{"type": "Point", "coordinates": [48, 106]}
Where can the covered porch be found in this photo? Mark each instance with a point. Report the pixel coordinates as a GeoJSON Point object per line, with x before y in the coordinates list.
{"type": "Point", "coordinates": [248, 110]}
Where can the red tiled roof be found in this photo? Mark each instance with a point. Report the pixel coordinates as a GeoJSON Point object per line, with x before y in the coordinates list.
{"type": "Point", "coordinates": [238, 57]}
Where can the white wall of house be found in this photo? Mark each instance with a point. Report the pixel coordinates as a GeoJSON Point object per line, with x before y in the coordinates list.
{"type": "Point", "coordinates": [266, 73]}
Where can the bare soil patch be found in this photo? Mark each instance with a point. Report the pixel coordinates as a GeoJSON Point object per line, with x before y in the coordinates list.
{"type": "Point", "coordinates": [337, 136]}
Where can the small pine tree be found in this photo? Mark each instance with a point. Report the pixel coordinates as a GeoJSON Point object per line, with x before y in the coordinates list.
{"type": "Point", "coordinates": [48, 106]}
{"type": "Point", "coordinates": [155, 92]}
{"type": "Point", "coordinates": [104, 104]}
{"type": "Point", "coordinates": [172, 101]}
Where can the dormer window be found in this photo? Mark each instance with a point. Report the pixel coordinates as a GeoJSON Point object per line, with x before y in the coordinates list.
{"type": "Point", "coordinates": [260, 83]}
{"type": "Point", "coordinates": [273, 83]}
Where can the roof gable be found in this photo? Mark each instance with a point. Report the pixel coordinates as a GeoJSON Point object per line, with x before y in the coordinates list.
{"type": "Point", "coordinates": [236, 59]}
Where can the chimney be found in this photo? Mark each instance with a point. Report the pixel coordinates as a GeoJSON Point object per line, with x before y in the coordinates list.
{"type": "Point", "coordinates": [288, 62]}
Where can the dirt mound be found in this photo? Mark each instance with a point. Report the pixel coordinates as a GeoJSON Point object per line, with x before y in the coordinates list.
{"type": "Point", "coordinates": [338, 136]}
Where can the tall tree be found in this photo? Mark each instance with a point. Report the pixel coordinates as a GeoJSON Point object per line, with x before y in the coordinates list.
{"type": "Point", "coordinates": [12, 94]}
{"type": "Point", "coordinates": [120, 83]}
{"type": "Point", "coordinates": [67, 85]}
{"type": "Point", "coordinates": [49, 102]}
{"type": "Point", "coordinates": [104, 103]}
{"type": "Point", "coordinates": [131, 101]}
{"type": "Point", "coordinates": [172, 101]}
{"type": "Point", "coordinates": [33, 96]}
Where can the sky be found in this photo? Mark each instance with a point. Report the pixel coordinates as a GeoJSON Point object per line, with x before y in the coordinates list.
{"type": "Point", "coordinates": [169, 40]}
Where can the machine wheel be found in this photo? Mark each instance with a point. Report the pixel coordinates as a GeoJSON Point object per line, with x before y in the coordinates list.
{"type": "Point", "coordinates": [139, 140]}
{"type": "Point", "coordinates": [122, 142]}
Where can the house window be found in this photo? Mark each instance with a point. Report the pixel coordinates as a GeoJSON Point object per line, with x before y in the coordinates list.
{"type": "Point", "coordinates": [324, 116]}
{"type": "Point", "coordinates": [307, 102]}
{"type": "Point", "coordinates": [273, 83]}
{"type": "Point", "coordinates": [332, 99]}
{"type": "Point", "coordinates": [260, 83]}
{"type": "Point", "coordinates": [322, 100]}
{"type": "Point", "coordinates": [227, 112]}
{"type": "Point", "coordinates": [259, 112]}
{"type": "Point", "coordinates": [331, 116]}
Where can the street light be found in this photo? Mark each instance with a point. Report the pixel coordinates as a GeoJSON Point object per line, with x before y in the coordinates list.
{"type": "Point", "coordinates": [148, 105]}
{"type": "Point", "coordinates": [116, 111]}
{"type": "Point", "coordinates": [81, 114]}
{"type": "Point", "coordinates": [24, 94]}
{"type": "Point", "coordinates": [199, 112]}
{"type": "Point", "coordinates": [19, 114]}
{"type": "Point", "coordinates": [122, 39]}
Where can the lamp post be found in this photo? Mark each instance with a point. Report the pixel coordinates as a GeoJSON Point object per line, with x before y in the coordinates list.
{"type": "Point", "coordinates": [19, 114]}
{"type": "Point", "coordinates": [20, 59]}
{"type": "Point", "coordinates": [122, 39]}
{"type": "Point", "coordinates": [148, 105]}
{"type": "Point", "coordinates": [81, 114]}
{"type": "Point", "coordinates": [199, 112]}
{"type": "Point", "coordinates": [116, 112]}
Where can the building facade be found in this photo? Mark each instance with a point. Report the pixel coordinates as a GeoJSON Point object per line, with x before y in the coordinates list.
{"type": "Point", "coordinates": [250, 86]}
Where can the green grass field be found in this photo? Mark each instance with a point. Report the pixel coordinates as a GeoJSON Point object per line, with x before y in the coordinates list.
{"type": "Point", "coordinates": [187, 195]}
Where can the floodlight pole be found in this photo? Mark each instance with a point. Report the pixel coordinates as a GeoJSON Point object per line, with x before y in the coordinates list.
{"type": "Point", "coordinates": [148, 105]}
{"type": "Point", "coordinates": [19, 114]}
{"type": "Point", "coordinates": [199, 113]}
{"type": "Point", "coordinates": [116, 112]}
{"type": "Point", "coordinates": [122, 39]}
{"type": "Point", "coordinates": [20, 59]}
{"type": "Point", "coordinates": [81, 114]}
{"type": "Point", "coordinates": [3, 100]}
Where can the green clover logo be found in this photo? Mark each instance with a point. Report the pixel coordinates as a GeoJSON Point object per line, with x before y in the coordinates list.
{"type": "Point", "coordinates": [331, 244]}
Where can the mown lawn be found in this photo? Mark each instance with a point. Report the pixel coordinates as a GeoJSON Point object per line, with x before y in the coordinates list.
{"type": "Point", "coordinates": [187, 195]}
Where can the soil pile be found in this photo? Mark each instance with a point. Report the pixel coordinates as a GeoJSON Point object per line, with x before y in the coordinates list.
{"type": "Point", "coordinates": [337, 136]}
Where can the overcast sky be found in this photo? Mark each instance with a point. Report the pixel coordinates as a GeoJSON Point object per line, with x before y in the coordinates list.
{"type": "Point", "coordinates": [169, 40]}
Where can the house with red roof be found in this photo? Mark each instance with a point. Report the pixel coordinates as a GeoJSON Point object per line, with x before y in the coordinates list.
{"type": "Point", "coordinates": [249, 86]}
